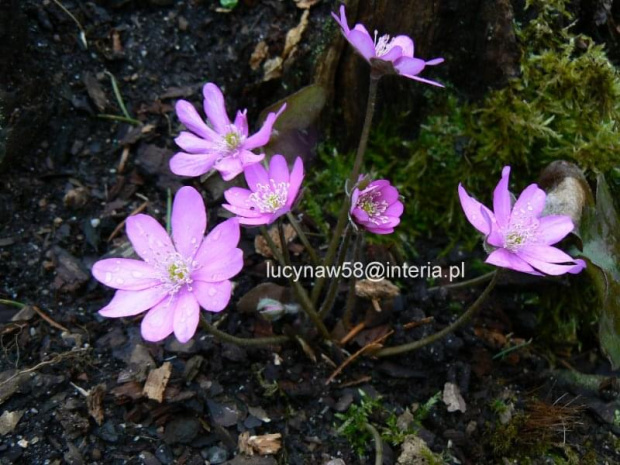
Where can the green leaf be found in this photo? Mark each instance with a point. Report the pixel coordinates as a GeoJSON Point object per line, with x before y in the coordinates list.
{"type": "Point", "coordinates": [229, 4]}
{"type": "Point", "coordinates": [600, 232]}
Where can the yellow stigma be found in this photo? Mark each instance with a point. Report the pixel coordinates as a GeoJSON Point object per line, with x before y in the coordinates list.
{"type": "Point", "coordinates": [178, 272]}
{"type": "Point", "coordinates": [232, 140]}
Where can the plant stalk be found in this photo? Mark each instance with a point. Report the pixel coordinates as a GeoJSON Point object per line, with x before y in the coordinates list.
{"type": "Point", "coordinates": [378, 443]}
{"type": "Point", "coordinates": [314, 258]}
{"type": "Point", "coordinates": [464, 318]}
{"type": "Point", "coordinates": [332, 290]}
{"type": "Point", "coordinates": [241, 341]}
{"type": "Point", "coordinates": [464, 284]}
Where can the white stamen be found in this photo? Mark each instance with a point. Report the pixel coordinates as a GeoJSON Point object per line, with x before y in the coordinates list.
{"type": "Point", "coordinates": [269, 198]}
{"type": "Point", "coordinates": [370, 202]}
{"type": "Point", "coordinates": [383, 44]}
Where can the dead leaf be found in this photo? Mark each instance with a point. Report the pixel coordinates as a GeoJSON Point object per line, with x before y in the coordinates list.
{"type": "Point", "coordinates": [453, 399]}
{"type": "Point", "coordinates": [94, 403]}
{"type": "Point", "coordinates": [261, 51]}
{"type": "Point", "coordinates": [95, 91]}
{"type": "Point", "coordinates": [9, 420]}
{"type": "Point", "coordinates": [260, 243]}
{"type": "Point", "coordinates": [306, 4]}
{"type": "Point", "coordinates": [272, 69]}
{"type": "Point", "coordinates": [266, 444]}
{"type": "Point", "coordinates": [157, 381]}
{"type": "Point", "coordinates": [293, 37]}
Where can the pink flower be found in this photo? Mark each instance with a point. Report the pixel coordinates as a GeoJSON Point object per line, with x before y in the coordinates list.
{"type": "Point", "coordinates": [398, 51]}
{"type": "Point", "coordinates": [523, 239]}
{"type": "Point", "coordinates": [221, 145]}
{"type": "Point", "coordinates": [271, 194]}
{"type": "Point", "coordinates": [376, 208]}
{"type": "Point", "coordinates": [175, 277]}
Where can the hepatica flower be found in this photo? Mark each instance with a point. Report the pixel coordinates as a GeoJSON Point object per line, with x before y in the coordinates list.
{"type": "Point", "coordinates": [177, 275]}
{"type": "Point", "coordinates": [377, 207]}
{"type": "Point", "coordinates": [386, 50]}
{"type": "Point", "coordinates": [271, 193]}
{"type": "Point", "coordinates": [522, 238]}
{"type": "Point", "coordinates": [221, 145]}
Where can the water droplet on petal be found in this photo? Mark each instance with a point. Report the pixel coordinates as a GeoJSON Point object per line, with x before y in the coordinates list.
{"type": "Point", "coordinates": [193, 241]}
{"type": "Point", "coordinates": [120, 281]}
{"type": "Point", "coordinates": [108, 277]}
{"type": "Point", "coordinates": [212, 291]}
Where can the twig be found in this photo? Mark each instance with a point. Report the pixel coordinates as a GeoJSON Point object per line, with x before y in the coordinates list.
{"type": "Point", "coordinates": [122, 119]}
{"type": "Point", "coordinates": [373, 345]}
{"type": "Point", "coordinates": [122, 223]}
{"type": "Point", "coordinates": [13, 303]}
{"type": "Point", "coordinates": [123, 160]}
{"type": "Point", "coordinates": [512, 349]}
{"type": "Point", "coordinates": [47, 318]}
{"type": "Point", "coordinates": [415, 324]}
{"type": "Point", "coordinates": [354, 332]}
{"type": "Point", "coordinates": [464, 284]}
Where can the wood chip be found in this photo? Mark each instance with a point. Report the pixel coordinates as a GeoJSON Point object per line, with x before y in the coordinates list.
{"type": "Point", "coordinates": [157, 381]}
{"type": "Point", "coordinates": [267, 444]}
{"type": "Point", "coordinates": [260, 243]}
{"type": "Point", "coordinates": [94, 403]}
{"type": "Point", "coordinates": [293, 37]}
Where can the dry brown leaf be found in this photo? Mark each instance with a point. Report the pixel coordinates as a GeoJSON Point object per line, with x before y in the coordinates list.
{"type": "Point", "coordinates": [262, 247]}
{"type": "Point", "coordinates": [266, 444]}
{"type": "Point", "coordinates": [157, 381]}
{"type": "Point", "coordinates": [306, 4]}
{"type": "Point", "coordinates": [261, 51]}
{"type": "Point", "coordinates": [94, 403]}
{"type": "Point", "coordinates": [293, 37]}
{"type": "Point", "coordinates": [272, 69]}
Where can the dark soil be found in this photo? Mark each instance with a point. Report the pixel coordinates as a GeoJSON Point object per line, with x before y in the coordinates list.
{"type": "Point", "coordinates": [71, 178]}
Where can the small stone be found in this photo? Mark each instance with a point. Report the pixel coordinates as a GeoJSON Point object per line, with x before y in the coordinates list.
{"type": "Point", "coordinates": [181, 430]}
{"type": "Point", "coordinates": [216, 455]}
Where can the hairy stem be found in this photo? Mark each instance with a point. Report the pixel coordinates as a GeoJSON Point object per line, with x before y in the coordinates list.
{"type": "Point", "coordinates": [300, 292]}
{"type": "Point", "coordinates": [314, 258]}
{"type": "Point", "coordinates": [378, 443]}
{"type": "Point", "coordinates": [464, 318]}
{"type": "Point", "coordinates": [241, 341]}
{"type": "Point", "coordinates": [285, 253]}
{"type": "Point", "coordinates": [348, 309]}
{"type": "Point", "coordinates": [357, 166]}
{"type": "Point", "coordinates": [332, 290]}
{"type": "Point", "coordinates": [465, 284]}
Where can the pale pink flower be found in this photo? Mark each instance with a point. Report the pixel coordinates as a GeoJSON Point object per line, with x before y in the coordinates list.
{"type": "Point", "coordinates": [377, 207]}
{"type": "Point", "coordinates": [221, 145]}
{"type": "Point", "coordinates": [175, 277]}
{"type": "Point", "coordinates": [271, 194]}
{"type": "Point", "coordinates": [522, 238]}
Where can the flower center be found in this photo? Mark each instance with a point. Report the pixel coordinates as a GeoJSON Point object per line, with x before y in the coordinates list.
{"type": "Point", "coordinates": [374, 206]}
{"type": "Point", "coordinates": [383, 44]}
{"type": "Point", "coordinates": [520, 232]}
{"type": "Point", "coordinates": [176, 272]}
{"type": "Point", "coordinates": [232, 139]}
{"type": "Point", "coordinates": [269, 198]}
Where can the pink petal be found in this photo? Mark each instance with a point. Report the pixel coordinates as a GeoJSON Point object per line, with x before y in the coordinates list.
{"type": "Point", "coordinates": [192, 144]}
{"type": "Point", "coordinates": [229, 167]}
{"type": "Point", "coordinates": [396, 209]}
{"type": "Point", "coordinates": [126, 274]}
{"type": "Point", "coordinates": [241, 122]}
{"type": "Point", "coordinates": [547, 268]}
{"type": "Point", "coordinates": [544, 253]}
{"type": "Point", "coordinates": [434, 62]}
{"type": "Point", "coordinates": [342, 21]}
{"type": "Point", "coordinates": [506, 259]}
{"type": "Point", "coordinates": [264, 134]}
{"type": "Point", "coordinates": [296, 178]}
{"type": "Point", "coordinates": [186, 316]}
{"type": "Point", "coordinates": [472, 209]}
{"type": "Point", "coordinates": [360, 215]}
{"type": "Point", "coordinates": [531, 202]}
{"type": "Point", "coordinates": [362, 42]}
{"type": "Point", "coordinates": [243, 212]}
{"type": "Point", "coordinates": [554, 228]}
{"type": "Point", "coordinates": [188, 221]}
{"type": "Point", "coordinates": [254, 175]}
{"type": "Point", "coordinates": [148, 238]}
{"type": "Point", "coordinates": [213, 297]}
{"type": "Point", "coordinates": [405, 43]}
{"type": "Point", "coordinates": [394, 54]}
{"type": "Point", "coordinates": [579, 267]}
{"type": "Point", "coordinates": [221, 241]}
{"type": "Point", "coordinates": [225, 267]}
{"type": "Point", "coordinates": [502, 199]}
{"type": "Point", "coordinates": [409, 66]}
{"type": "Point", "coordinates": [278, 169]}
{"type": "Point", "coordinates": [215, 108]}
{"type": "Point", "coordinates": [238, 196]}
{"type": "Point", "coordinates": [425, 81]}
{"type": "Point", "coordinates": [157, 324]}
{"type": "Point", "coordinates": [185, 164]}
{"type": "Point", "coordinates": [250, 158]}
{"type": "Point", "coordinates": [389, 194]}
{"type": "Point", "coordinates": [188, 115]}
{"type": "Point", "coordinates": [130, 303]}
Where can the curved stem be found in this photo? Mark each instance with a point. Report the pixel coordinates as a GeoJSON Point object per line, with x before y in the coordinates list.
{"type": "Point", "coordinates": [348, 309]}
{"type": "Point", "coordinates": [285, 253]}
{"type": "Point", "coordinates": [464, 284]}
{"type": "Point", "coordinates": [464, 318]}
{"type": "Point", "coordinates": [240, 341]}
{"type": "Point", "coordinates": [378, 443]}
{"type": "Point", "coordinates": [332, 291]}
{"type": "Point", "coordinates": [343, 216]}
{"type": "Point", "coordinates": [300, 292]}
{"type": "Point", "coordinates": [314, 258]}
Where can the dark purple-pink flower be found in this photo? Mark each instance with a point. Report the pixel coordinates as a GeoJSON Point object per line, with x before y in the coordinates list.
{"type": "Point", "coordinates": [219, 145]}
{"type": "Point", "coordinates": [396, 50]}
{"type": "Point", "coordinates": [177, 275]}
{"type": "Point", "coordinates": [377, 207]}
{"type": "Point", "coordinates": [522, 238]}
{"type": "Point", "coordinates": [271, 193]}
